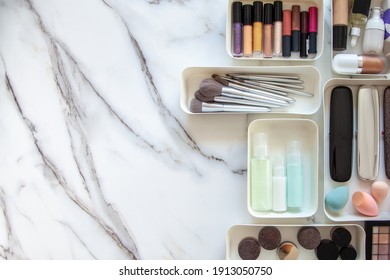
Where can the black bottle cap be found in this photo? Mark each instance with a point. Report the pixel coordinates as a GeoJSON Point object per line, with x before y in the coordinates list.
{"type": "Point", "coordinates": [278, 11]}
{"type": "Point", "coordinates": [340, 34]}
{"type": "Point", "coordinates": [247, 14]}
{"type": "Point", "coordinates": [237, 12]}
{"type": "Point", "coordinates": [268, 11]}
{"type": "Point", "coordinates": [258, 11]}
{"type": "Point", "coordinates": [361, 7]}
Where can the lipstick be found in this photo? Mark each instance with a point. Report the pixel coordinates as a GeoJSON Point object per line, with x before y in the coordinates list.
{"type": "Point", "coordinates": [313, 30]}
{"type": "Point", "coordinates": [286, 32]}
{"type": "Point", "coordinates": [304, 35]}
{"type": "Point", "coordinates": [295, 27]}
{"type": "Point", "coordinates": [278, 14]}
{"type": "Point", "coordinates": [247, 30]}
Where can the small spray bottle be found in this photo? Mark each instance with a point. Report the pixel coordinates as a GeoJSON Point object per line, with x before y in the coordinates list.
{"type": "Point", "coordinates": [374, 33]}
{"type": "Point", "coordinates": [279, 196]}
{"type": "Point", "coordinates": [261, 174]}
{"type": "Point", "coordinates": [358, 18]}
{"type": "Point", "coordinates": [294, 175]}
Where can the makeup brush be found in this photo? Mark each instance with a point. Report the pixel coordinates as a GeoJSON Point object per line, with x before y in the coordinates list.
{"type": "Point", "coordinates": [259, 92]}
{"type": "Point", "coordinates": [210, 87]}
{"type": "Point", "coordinates": [226, 99]}
{"type": "Point", "coordinates": [267, 78]}
{"type": "Point", "coordinates": [197, 106]}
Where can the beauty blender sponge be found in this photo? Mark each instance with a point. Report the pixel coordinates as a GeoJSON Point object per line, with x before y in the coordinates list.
{"type": "Point", "coordinates": [379, 191]}
{"type": "Point", "coordinates": [365, 204]}
{"type": "Point", "coordinates": [337, 198]}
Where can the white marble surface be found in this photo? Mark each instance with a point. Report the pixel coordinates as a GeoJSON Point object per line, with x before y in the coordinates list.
{"type": "Point", "coordinates": [97, 160]}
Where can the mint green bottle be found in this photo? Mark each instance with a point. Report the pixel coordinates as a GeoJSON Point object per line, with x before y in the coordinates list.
{"type": "Point", "coordinates": [261, 174]}
{"type": "Point", "coordinates": [294, 175]}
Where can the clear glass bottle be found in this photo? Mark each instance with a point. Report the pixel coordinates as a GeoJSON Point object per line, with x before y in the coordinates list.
{"type": "Point", "coordinates": [358, 18]}
{"type": "Point", "coordinates": [261, 174]}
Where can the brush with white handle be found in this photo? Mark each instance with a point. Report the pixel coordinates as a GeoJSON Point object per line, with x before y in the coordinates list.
{"type": "Point", "coordinates": [197, 106]}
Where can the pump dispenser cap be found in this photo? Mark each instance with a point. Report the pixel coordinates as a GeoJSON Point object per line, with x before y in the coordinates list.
{"type": "Point", "coordinates": [278, 166]}
{"type": "Point", "coordinates": [355, 34]}
{"type": "Point", "coordinates": [293, 152]}
{"type": "Point", "coordinates": [260, 148]}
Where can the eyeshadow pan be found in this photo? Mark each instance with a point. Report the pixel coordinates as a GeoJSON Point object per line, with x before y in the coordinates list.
{"type": "Point", "coordinates": [384, 230]}
{"type": "Point", "coordinates": [383, 239]}
{"type": "Point", "coordinates": [375, 229]}
{"type": "Point", "coordinates": [383, 249]}
{"type": "Point", "coordinates": [375, 238]}
{"type": "Point", "coordinates": [383, 257]}
{"type": "Point", "coordinates": [375, 249]}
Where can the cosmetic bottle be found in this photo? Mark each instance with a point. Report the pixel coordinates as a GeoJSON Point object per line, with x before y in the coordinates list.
{"type": "Point", "coordinates": [278, 17]}
{"type": "Point", "coordinates": [257, 27]}
{"type": "Point", "coordinates": [304, 34]}
{"type": "Point", "coordinates": [279, 182]}
{"type": "Point", "coordinates": [247, 30]}
{"type": "Point", "coordinates": [313, 11]}
{"type": "Point", "coordinates": [359, 64]}
{"type": "Point", "coordinates": [374, 33]}
{"type": "Point", "coordinates": [358, 18]}
{"type": "Point", "coordinates": [286, 34]}
{"type": "Point", "coordinates": [340, 24]}
{"type": "Point", "coordinates": [386, 20]}
{"type": "Point", "coordinates": [294, 175]}
{"type": "Point", "coordinates": [237, 29]}
{"type": "Point", "coordinates": [295, 27]}
{"type": "Point", "coordinates": [268, 29]}
{"type": "Point", "coordinates": [261, 174]}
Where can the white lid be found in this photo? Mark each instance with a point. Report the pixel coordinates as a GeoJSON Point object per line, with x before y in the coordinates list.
{"type": "Point", "coordinates": [260, 145]}
{"type": "Point", "coordinates": [346, 63]}
{"type": "Point", "coordinates": [355, 34]}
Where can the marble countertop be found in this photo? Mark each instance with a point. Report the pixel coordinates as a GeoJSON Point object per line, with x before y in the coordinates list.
{"type": "Point", "coordinates": [98, 161]}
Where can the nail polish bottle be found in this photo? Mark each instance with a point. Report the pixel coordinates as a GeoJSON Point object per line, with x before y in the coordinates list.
{"type": "Point", "coordinates": [268, 30]}
{"type": "Point", "coordinates": [257, 27]}
{"type": "Point", "coordinates": [248, 29]}
{"type": "Point", "coordinates": [279, 197]}
{"type": "Point", "coordinates": [294, 175]}
{"type": "Point", "coordinates": [358, 18]}
{"type": "Point", "coordinates": [261, 174]}
{"type": "Point", "coordinates": [374, 33]}
{"type": "Point", "coordinates": [278, 17]}
{"type": "Point", "coordinates": [237, 29]}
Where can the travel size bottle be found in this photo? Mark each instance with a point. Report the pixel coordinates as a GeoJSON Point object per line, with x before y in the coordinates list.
{"type": "Point", "coordinates": [294, 175]}
{"type": "Point", "coordinates": [358, 18]}
{"type": "Point", "coordinates": [374, 33]}
{"type": "Point", "coordinates": [261, 174]}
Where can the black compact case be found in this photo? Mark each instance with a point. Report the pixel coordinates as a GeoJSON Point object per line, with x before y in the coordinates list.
{"type": "Point", "coordinates": [341, 134]}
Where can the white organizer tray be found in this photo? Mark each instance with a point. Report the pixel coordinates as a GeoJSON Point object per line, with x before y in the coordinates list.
{"type": "Point", "coordinates": [280, 131]}
{"type": "Point", "coordinates": [355, 184]}
{"type": "Point", "coordinates": [287, 4]}
{"type": "Point", "coordinates": [191, 78]}
{"type": "Point", "coordinates": [289, 233]}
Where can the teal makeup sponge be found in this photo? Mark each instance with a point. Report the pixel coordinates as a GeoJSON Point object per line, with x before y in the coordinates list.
{"type": "Point", "coordinates": [337, 198]}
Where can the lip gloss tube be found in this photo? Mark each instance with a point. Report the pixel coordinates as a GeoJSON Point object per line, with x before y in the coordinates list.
{"type": "Point", "coordinates": [248, 21]}
{"type": "Point", "coordinates": [313, 30]}
{"type": "Point", "coordinates": [278, 17]}
{"type": "Point", "coordinates": [304, 35]}
{"type": "Point", "coordinates": [237, 28]}
{"type": "Point", "coordinates": [340, 24]}
{"type": "Point", "coordinates": [286, 32]}
{"type": "Point", "coordinates": [268, 28]}
{"type": "Point", "coordinates": [257, 27]}
{"type": "Point", "coordinates": [295, 27]}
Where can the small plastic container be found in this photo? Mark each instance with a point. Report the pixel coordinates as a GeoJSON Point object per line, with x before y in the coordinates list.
{"type": "Point", "coordinates": [287, 4]}
{"type": "Point", "coordinates": [349, 213]}
{"type": "Point", "coordinates": [191, 78]}
{"type": "Point", "coordinates": [289, 233]}
{"type": "Point", "coordinates": [280, 132]}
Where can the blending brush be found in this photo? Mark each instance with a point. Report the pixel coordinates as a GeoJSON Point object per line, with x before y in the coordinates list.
{"type": "Point", "coordinates": [210, 87]}
{"type": "Point", "coordinates": [226, 99]}
{"type": "Point", "coordinates": [197, 106]}
{"type": "Point", "coordinates": [260, 92]}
